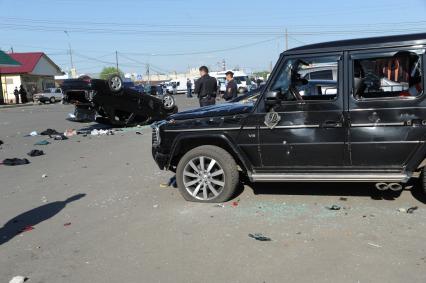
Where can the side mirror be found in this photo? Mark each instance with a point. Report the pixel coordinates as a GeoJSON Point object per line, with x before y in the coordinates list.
{"type": "Point", "coordinates": [272, 97]}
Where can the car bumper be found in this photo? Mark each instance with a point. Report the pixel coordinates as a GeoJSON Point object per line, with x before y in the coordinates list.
{"type": "Point", "coordinates": [41, 99]}
{"type": "Point", "coordinates": [161, 159]}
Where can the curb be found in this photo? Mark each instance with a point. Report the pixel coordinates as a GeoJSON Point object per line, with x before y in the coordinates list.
{"type": "Point", "coordinates": [8, 106]}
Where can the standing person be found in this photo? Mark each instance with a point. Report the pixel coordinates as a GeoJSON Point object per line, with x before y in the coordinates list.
{"type": "Point", "coordinates": [188, 88]}
{"type": "Point", "coordinates": [231, 87]}
{"type": "Point", "coordinates": [16, 93]}
{"type": "Point", "coordinates": [206, 88]}
{"type": "Point", "coordinates": [174, 86]}
{"type": "Point", "coordinates": [23, 94]}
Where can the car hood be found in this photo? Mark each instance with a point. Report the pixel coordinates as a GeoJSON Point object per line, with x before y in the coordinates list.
{"type": "Point", "coordinates": [224, 109]}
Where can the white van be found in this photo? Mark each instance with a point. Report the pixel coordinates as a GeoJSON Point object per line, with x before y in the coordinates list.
{"type": "Point", "coordinates": [181, 85]}
{"type": "Point", "coordinates": [240, 77]}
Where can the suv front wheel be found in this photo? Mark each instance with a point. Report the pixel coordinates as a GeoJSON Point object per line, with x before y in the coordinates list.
{"type": "Point", "coordinates": [207, 174]}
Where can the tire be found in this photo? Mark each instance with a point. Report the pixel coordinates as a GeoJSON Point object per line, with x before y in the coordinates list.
{"type": "Point", "coordinates": [168, 101]}
{"type": "Point", "coordinates": [223, 184]}
{"type": "Point", "coordinates": [52, 100]}
{"type": "Point", "coordinates": [115, 83]}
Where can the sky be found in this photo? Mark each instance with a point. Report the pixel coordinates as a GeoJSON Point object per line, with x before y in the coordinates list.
{"type": "Point", "coordinates": [174, 35]}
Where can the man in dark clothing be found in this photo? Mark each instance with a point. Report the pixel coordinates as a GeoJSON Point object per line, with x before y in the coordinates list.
{"type": "Point", "coordinates": [174, 87]}
{"type": "Point", "coordinates": [23, 94]}
{"type": "Point", "coordinates": [188, 88]}
{"type": "Point", "coordinates": [231, 87]}
{"type": "Point", "coordinates": [206, 88]}
{"type": "Point", "coordinates": [16, 93]}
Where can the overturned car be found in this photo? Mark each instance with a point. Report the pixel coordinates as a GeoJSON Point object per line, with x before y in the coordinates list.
{"type": "Point", "coordinates": [111, 99]}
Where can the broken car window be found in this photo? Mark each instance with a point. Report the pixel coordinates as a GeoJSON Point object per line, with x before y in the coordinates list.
{"type": "Point", "coordinates": [388, 75]}
{"type": "Point", "coordinates": [308, 79]}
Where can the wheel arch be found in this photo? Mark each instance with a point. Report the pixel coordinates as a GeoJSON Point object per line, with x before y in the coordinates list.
{"type": "Point", "coordinates": [186, 142]}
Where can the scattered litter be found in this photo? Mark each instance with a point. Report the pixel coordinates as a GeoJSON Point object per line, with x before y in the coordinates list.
{"type": "Point", "coordinates": [235, 203]}
{"type": "Point", "coordinates": [155, 206]}
{"type": "Point", "coordinates": [163, 185]}
{"type": "Point", "coordinates": [172, 182]}
{"type": "Point", "coordinates": [43, 142]}
{"type": "Point", "coordinates": [26, 229]}
{"type": "Point", "coordinates": [409, 210]}
{"type": "Point", "coordinates": [96, 132]}
{"type": "Point", "coordinates": [35, 152]}
{"type": "Point", "coordinates": [71, 116]}
{"type": "Point", "coordinates": [221, 205]}
{"type": "Point", "coordinates": [138, 133]}
{"type": "Point", "coordinates": [374, 245]}
{"type": "Point", "coordinates": [15, 161]}
{"type": "Point", "coordinates": [67, 224]}
{"type": "Point", "coordinates": [259, 237]}
{"type": "Point", "coordinates": [33, 134]}
{"type": "Point", "coordinates": [333, 207]}
{"type": "Point", "coordinates": [59, 137]}
{"type": "Point", "coordinates": [343, 199]}
{"type": "Point", "coordinates": [44, 199]}
{"type": "Point", "coordinates": [412, 209]}
{"type": "Point", "coordinates": [70, 133]}
{"type": "Point", "coordinates": [50, 132]}
{"type": "Point", "coordinates": [18, 279]}
{"type": "Point", "coordinates": [44, 176]}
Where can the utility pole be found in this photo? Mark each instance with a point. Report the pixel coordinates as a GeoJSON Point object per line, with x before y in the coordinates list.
{"type": "Point", "coordinates": [147, 73]}
{"type": "Point", "coordinates": [116, 62]}
{"type": "Point", "coordinates": [70, 51]}
{"type": "Point", "coordinates": [286, 39]}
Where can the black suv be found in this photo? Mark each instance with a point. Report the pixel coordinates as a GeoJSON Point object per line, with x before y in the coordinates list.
{"type": "Point", "coordinates": [363, 119]}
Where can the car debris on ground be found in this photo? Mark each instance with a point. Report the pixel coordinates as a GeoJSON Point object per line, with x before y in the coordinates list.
{"type": "Point", "coordinates": [50, 132]}
{"type": "Point", "coordinates": [18, 279]}
{"type": "Point", "coordinates": [15, 161]}
{"type": "Point", "coordinates": [333, 207]}
{"type": "Point", "coordinates": [260, 237]}
{"type": "Point", "coordinates": [35, 152]}
{"type": "Point", "coordinates": [42, 142]}
{"type": "Point", "coordinates": [408, 210]}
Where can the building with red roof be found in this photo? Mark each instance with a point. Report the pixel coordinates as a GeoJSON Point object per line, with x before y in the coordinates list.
{"type": "Point", "coordinates": [36, 72]}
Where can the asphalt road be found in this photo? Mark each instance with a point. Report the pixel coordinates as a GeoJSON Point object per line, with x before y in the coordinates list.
{"type": "Point", "coordinates": [101, 215]}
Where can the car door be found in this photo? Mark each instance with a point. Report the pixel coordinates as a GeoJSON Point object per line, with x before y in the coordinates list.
{"type": "Point", "coordinates": [387, 108]}
{"type": "Point", "coordinates": [304, 132]}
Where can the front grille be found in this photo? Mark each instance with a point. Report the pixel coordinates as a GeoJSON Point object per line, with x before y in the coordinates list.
{"type": "Point", "coordinates": [156, 140]}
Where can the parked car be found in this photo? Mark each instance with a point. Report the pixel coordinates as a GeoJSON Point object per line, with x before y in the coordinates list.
{"type": "Point", "coordinates": [356, 128]}
{"type": "Point", "coordinates": [180, 86]}
{"type": "Point", "coordinates": [51, 95]}
{"type": "Point", "coordinates": [111, 99]}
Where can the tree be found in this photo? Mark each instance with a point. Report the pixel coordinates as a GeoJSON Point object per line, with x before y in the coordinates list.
{"type": "Point", "coordinates": [108, 71]}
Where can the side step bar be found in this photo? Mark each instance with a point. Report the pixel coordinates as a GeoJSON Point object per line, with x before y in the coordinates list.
{"type": "Point", "coordinates": [327, 177]}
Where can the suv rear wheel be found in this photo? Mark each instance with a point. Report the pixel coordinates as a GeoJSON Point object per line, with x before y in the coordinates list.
{"type": "Point", "coordinates": [52, 100]}
{"type": "Point", "coordinates": [207, 174]}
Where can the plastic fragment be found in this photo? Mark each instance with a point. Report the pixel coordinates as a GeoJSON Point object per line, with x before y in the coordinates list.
{"type": "Point", "coordinates": [333, 207]}
{"type": "Point", "coordinates": [374, 245]}
{"type": "Point", "coordinates": [67, 224]}
{"type": "Point", "coordinates": [43, 142]}
{"type": "Point", "coordinates": [35, 152]}
{"type": "Point", "coordinates": [412, 209]}
{"type": "Point", "coordinates": [18, 279]}
{"type": "Point", "coordinates": [221, 205]}
{"type": "Point", "coordinates": [260, 237]}
{"type": "Point", "coordinates": [15, 161]}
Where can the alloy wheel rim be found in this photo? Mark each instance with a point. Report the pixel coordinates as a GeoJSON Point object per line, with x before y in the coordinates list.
{"type": "Point", "coordinates": [204, 178]}
{"type": "Point", "coordinates": [115, 83]}
{"type": "Point", "coordinates": [167, 101]}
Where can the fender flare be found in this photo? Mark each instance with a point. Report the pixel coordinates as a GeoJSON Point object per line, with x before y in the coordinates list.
{"type": "Point", "coordinates": [181, 138]}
